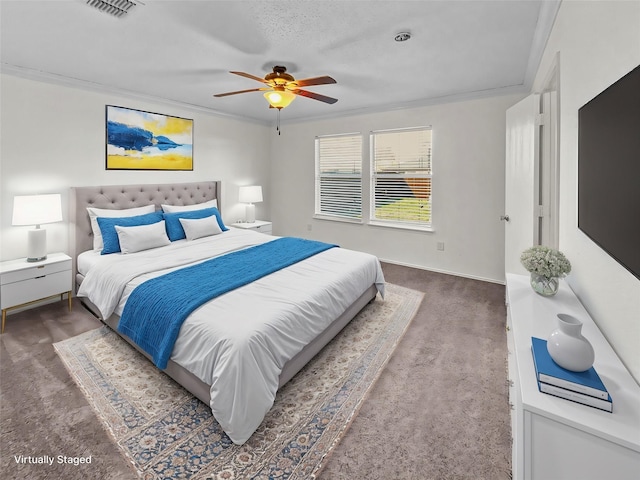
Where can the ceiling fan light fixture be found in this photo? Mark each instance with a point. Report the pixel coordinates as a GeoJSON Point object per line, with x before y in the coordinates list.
{"type": "Point", "coordinates": [279, 98]}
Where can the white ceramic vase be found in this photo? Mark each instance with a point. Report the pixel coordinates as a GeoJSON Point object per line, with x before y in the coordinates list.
{"type": "Point", "coordinates": [568, 347]}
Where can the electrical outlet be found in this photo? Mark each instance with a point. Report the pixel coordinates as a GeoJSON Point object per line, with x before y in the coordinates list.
{"type": "Point", "coordinates": [309, 227]}
{"type": "Point", "coordinates": [440, 246]}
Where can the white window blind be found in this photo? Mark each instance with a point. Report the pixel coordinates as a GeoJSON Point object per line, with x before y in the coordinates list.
{"type": "Point", "coordinates": [339, 176]}
{"type": "Point", "coordinates": [401, 176]}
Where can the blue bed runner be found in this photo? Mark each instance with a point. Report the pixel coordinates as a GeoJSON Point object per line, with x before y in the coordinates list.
{"type": "Point", "coordinates": [156, 309]}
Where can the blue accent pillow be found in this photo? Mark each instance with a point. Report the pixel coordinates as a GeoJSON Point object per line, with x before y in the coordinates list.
{"type": "Point", "coordinates": [108, 228]}
{"type": "Point", "coordinates": [174, 227]}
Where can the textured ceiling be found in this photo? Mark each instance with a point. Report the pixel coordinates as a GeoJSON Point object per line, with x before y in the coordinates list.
{"type": "Point", "coordinates": [181, 51]}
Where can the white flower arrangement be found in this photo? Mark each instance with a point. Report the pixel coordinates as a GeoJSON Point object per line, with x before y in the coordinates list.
{"type": "Point", "coordinates": [545, 261]}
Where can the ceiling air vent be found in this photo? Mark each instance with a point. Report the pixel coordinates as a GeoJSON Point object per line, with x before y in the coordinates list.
{"type": "Point", "coordinates": [117, 8]}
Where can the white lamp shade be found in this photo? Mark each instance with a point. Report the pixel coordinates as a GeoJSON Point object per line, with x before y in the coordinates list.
{"type": "Point", "coordinates": [250, 194]}
{"type": "Point", "coordinates": [37, 209]}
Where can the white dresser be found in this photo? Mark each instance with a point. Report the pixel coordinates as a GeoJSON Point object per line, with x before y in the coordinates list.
{"type": "Point", "coordinates": [554, 438]}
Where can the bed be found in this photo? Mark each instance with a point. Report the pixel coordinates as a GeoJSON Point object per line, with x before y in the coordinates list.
{"type": "Point", "coordinates": [236, 350]}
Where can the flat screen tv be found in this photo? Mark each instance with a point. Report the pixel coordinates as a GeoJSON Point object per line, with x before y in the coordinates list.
{"type": "Point", "coordinates": [609, 170]}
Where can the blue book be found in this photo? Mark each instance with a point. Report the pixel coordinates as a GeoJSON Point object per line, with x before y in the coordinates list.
{"type": "Point", "coordinates": [549, 372]}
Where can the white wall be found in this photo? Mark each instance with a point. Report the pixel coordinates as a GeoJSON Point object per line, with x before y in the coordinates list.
{"type": "Point", "coordinates": [598, 42]}
{"type": "Point", "coordinates": [468, 187]}
{"type": "Point", "coordinates": [53, 138]}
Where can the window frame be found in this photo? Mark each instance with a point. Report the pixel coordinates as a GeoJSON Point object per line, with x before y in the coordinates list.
{"type": "Point", "coordinates": [336, 216]}
{"type": "Point", "coordinates": [374, 176]}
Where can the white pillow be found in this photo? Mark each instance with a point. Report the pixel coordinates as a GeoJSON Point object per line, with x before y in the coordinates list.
{"type": "Point", "coordinates": [142, 237]}
{"type": "Point", "coordinates": [188, 208]}
{"type": "Point", "coordinates": [94, 213]}
{"type": "Point", "coordinates": [200, 227]}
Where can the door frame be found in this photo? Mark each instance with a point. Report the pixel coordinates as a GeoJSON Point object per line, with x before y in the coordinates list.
{"type": "Point", "coordinates": [547, 170]}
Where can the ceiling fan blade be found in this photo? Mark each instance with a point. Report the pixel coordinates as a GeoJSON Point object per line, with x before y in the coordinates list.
{"type": "Point", "coordinates": [307, 82]}
{"type": "Point", "coordinates": [315, 96]}
{"type": "Point", "coordinates": [248, 75]}
{"type": "Point", "coordinates": [241, 91]}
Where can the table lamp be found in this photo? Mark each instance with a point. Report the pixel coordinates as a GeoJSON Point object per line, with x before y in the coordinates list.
{"type": "Point", "coordinates": [37, 210]}
{"type": "Point", "coordinates": [250, 195]}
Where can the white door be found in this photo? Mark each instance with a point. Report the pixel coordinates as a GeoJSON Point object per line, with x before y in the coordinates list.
{"type": "Point", "coordinates": [521, 212]}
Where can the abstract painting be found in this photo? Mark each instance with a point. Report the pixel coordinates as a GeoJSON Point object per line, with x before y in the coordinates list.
{"type": "Point", "coordinates": [138, 140]}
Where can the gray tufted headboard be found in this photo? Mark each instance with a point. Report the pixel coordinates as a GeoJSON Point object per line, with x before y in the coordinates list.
{"type": "Point", "coordinates": [128, 196]}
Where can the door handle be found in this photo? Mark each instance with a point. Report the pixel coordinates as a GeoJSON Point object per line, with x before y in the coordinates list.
{"type": "Point", "coordinates": [504, 217]}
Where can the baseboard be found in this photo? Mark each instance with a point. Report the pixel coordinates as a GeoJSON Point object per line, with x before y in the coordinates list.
{"type": "Point", "coordinates": [446, 272]}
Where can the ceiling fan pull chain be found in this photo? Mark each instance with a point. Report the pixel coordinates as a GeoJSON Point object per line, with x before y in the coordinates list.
{"type": "Point", "coordinates": [278, 124]}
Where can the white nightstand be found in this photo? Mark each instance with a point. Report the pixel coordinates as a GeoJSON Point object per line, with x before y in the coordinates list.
{"type": "Point", "coordinates": [259, 226]}
{"type": "Point", "coordinates": [23, 283]}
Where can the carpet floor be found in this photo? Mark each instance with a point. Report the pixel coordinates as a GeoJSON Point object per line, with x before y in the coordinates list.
{"type": "Point", "coordinates": [439, 409]}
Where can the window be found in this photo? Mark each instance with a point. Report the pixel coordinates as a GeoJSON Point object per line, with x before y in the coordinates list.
{"type": "Point", "coordinates": [401, 177]}
{"type": "Point", "coordinates": [339, 176]}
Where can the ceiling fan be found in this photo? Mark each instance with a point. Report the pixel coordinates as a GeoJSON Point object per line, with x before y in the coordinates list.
{"type": "Point", "coordinates": [282, 88]}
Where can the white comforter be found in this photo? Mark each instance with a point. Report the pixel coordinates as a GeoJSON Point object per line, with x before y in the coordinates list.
{"type": "Point", "coordinates": [239, 342]}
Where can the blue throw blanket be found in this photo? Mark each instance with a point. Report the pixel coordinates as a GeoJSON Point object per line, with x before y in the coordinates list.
{"type": "Point", "coordinates": [156, 309]}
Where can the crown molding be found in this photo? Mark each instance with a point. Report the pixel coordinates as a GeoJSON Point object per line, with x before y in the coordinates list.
{"type": "Point", "coordinates": [546, 19]}
{"type": "Point", "coordinates": [56, 79]}
{"type": "Point", "coordinates": [52, 78]}
{"type": "Point", "coordinates": [426, 102]}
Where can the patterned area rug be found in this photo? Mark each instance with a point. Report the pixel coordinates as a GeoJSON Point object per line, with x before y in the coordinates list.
{"type": "Point", "coordinates": [165, 432]}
